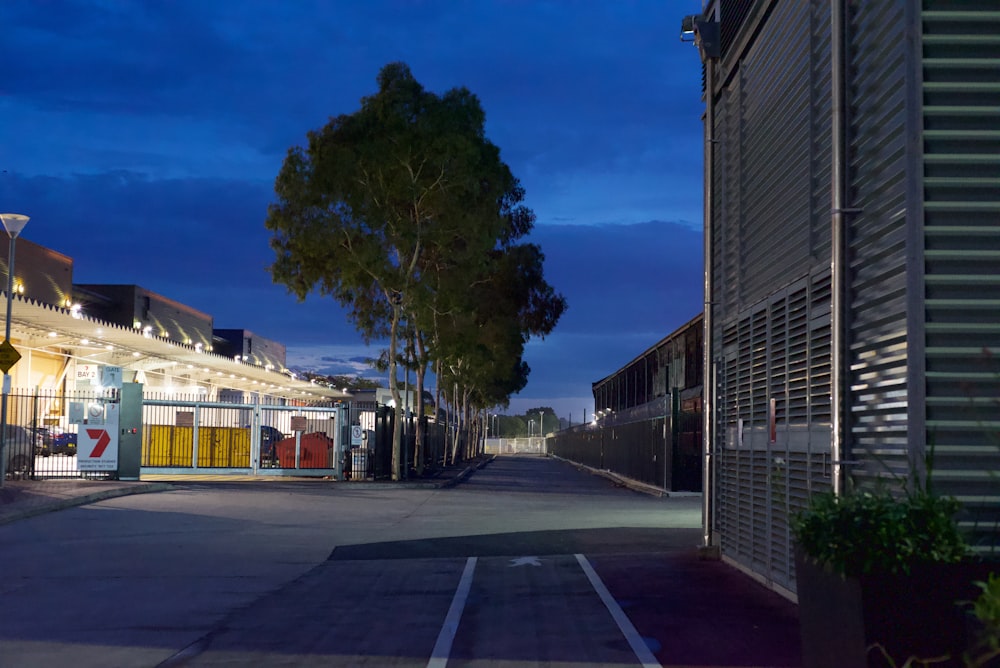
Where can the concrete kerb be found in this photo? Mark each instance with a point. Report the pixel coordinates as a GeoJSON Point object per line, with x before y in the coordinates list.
{"type": "Point", "coordinates": [42, 506]}
{"type": "Point", "coordinates": [465, 473]}
{"type": "Point", "coordinates": [39, 502]}
{"type": "Point", "coordinates": [634, 485]}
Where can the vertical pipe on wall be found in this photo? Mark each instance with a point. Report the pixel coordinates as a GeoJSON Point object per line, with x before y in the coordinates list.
{"type": "Point", "coordinates": [707, 386]}
{"type": "Point", "coordinates": [838, 153]}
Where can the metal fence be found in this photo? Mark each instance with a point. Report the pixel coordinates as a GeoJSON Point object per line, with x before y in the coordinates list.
{"type": "Point", "coordinates": [39, 441]}
{"type": "Point", "coordinates": [534, 445]}
{"type": "Point", "coordinates": [374, 461]}
{"type": "Point", "coordinates": [663, 451]}
{"type": "Point", "coordinates": [187, 434]}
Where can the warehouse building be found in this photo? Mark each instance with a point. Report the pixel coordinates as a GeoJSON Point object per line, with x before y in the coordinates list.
{"type": "Point", "coordinates": [852, 239]}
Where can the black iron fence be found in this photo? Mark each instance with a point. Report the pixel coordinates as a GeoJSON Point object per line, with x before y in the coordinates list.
{"type": "Point", "coordinates": [40, 441]}
{"type": "Point", "coordinates": [659, 450]}
{"type": "Point", "coordinates": [374, 461]}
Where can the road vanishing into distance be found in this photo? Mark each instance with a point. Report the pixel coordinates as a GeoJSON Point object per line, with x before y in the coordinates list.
{"type": "Point", "coordinates": [529, 561]}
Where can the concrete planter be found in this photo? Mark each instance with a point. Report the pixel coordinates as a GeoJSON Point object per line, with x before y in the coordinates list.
{"type": "Point", "coordinates": [915, 615]}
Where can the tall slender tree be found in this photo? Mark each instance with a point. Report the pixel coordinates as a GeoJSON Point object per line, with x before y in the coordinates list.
{"type": "Point", "coordinates": [377, 200]}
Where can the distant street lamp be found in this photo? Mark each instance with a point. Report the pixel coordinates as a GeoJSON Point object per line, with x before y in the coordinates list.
{"type": "Point", "coordinates": [13, 223]}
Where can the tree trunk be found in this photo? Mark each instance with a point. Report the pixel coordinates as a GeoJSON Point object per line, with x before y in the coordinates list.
{"type": "Point", "coordinates": [437, 406]}
{"type": "Point", "coordinates": [419, 446]}
{"type": "Point", "coordinates": [397, 423]}
{"type": "Point", "coordinates": [418, 440]}
{"type": "Point", "coordinates": [457, 425]}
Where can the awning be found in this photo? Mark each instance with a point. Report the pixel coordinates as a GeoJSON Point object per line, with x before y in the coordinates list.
{"type": "Point", "coordinates": [59, 331]}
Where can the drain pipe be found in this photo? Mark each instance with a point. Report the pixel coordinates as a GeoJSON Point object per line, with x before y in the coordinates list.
{"type": "Point", "coordinates": [708, 378]}
{"type": "Point", "coordinates": [708, 375]}
{"type": "Point", "coordinates": [838, 247]}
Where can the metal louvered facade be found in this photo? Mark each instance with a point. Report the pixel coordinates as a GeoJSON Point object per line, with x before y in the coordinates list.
{"type": "Point", "coordinates": [879, 162]}
{"type": "Point", "coordinates": [908, 186]}
{"type": "Point", "coordinates": [960, 95]}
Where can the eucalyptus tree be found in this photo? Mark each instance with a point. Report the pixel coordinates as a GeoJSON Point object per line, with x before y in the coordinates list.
{"type": "Point", "coordinates": [372, 194]}
{"type": "Point", "coordinates": [483, 344]}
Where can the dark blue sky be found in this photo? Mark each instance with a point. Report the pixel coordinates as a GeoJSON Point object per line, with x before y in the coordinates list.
{"type": "Point", "coordinates": [143, 138]}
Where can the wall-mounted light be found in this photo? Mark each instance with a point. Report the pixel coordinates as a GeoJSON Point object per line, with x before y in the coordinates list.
{"type": "Point", "coordinates": [702, 33]}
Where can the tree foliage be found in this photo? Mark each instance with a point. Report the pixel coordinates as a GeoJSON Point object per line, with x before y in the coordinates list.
{"type": "Point", "coordinates": [404, 213]}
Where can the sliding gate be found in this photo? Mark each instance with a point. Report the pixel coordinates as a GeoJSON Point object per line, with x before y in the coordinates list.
{"type": "Point", "coordinates": [208, 437]}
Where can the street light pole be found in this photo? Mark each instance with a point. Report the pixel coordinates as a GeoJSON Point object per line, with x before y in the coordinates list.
{"type": "Point", "coordinates": [13, 223]}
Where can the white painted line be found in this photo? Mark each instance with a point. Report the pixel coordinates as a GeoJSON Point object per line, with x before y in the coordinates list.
{"type": "Point", "coordinates": [442, 648]}
{"type": "Point", "coordinates": [635, 641]}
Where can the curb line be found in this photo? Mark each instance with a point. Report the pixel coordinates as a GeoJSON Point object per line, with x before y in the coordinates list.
{"type": "Point", "coordinates": [634, 485]}
{"type": "Point", "coordinates": [60, 504]}
{"type": "Point", "coordinates": [465, 474]}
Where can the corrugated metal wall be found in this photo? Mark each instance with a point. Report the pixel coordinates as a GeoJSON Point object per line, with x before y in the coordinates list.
{"type": "Point", "coordinates": [778, 351]}
{"type": "Point", "coordinates": [878, 299]}
{"type": "Point", "coordinates": [961, 143]}
{"type": "Point", "coordinates": [923, 332]}
{"type": "Point", "coordinates": [771, 244]}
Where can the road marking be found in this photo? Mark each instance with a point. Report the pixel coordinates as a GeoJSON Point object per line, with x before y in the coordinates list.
{"type": "Point", "coordinates": [635, 641]}
{"type": "Point", "coordinates": [525, 561]}
{"type": "Point", "coordinates": [442, 648]}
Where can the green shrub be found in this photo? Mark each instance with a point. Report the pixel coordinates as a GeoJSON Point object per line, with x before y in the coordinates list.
{"type": "Point", "coordinates": [986, 609]}
{"type": "Point", "coordinates": [865, 532]}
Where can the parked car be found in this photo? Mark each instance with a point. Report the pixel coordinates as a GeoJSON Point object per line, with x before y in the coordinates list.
{"type": "Point", "coordinates": [269, 438]}
{"type": "Point", "coordinates": [21, 446]}
{"type": "Point", "coordinates": [64, 443]}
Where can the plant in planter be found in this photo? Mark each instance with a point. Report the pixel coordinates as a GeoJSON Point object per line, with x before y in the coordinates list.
{"type": "Point", "coordinates": [986, 610]}
{"type": "Point", "coordinates": [882, 571]}
{"type": "Point", "coordinates": [865, 532]}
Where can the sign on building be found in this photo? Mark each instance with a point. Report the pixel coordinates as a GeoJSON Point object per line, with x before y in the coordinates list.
{"type": "Point", "coordinates": [111, 376]}
{"type": "Point", "coordinates": [97, 445]}
{"type": "Point", "coordinates": [87, 375]}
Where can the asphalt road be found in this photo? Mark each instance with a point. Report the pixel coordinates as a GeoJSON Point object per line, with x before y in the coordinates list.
{"type": "Point", "coordinates": [502, 570]}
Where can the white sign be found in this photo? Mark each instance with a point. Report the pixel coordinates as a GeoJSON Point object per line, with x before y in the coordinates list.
{"type": "Point", "coordinates": [94, 413]}
{"type": "Point", "coordinates": [356, 435]}
{"type": "Point", "coordinates": [87, 374]}
{"type": "Point", "coordinates": [111, 376]}
{"type": "Point", "coordinates": [97, 445]}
